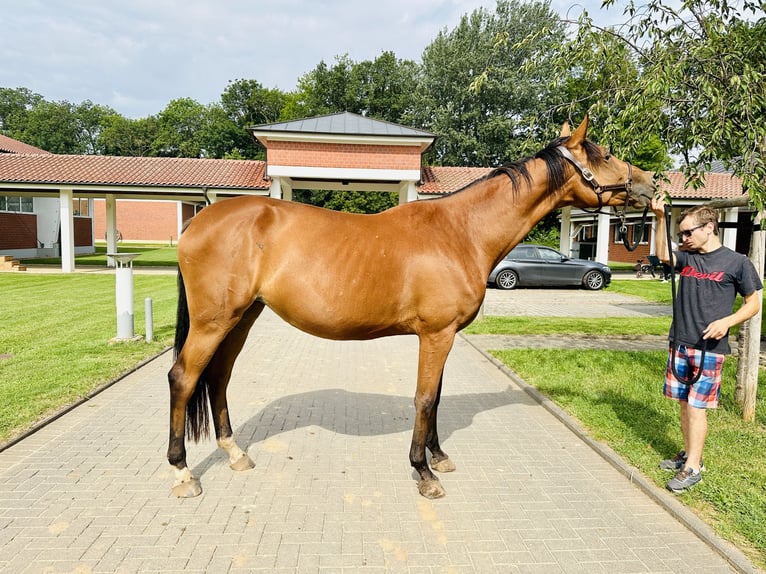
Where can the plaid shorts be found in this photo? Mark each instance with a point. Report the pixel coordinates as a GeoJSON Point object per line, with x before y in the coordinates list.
{"type": "Point", "coordinates": [705, 392]}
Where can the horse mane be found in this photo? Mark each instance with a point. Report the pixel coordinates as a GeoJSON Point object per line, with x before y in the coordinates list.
{"type": "Point", "coordinates": [555, 163]}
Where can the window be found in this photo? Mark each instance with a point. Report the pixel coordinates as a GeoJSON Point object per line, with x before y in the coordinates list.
{"type": "Point", "coordinates": [80, 206]}
{"type": "Point", "coordinates": [550, 255]}
{"type": "Point", "coordinates": [522, 252]}
{"type": "Point", "coordinates": [632, 233]}
{"type": "Point", "coordinates": [16, 203]}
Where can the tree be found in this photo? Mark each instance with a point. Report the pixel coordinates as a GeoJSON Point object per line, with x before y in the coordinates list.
{"type": "Point", "coordinates": [15, 105]}
{"type": "Point", "coordinates": [247, 103]}
{"type": "Point", "coordinates": [90, 119]}
{"type": "Point", "coordinates": [491, 125]}
{"type": "Point", "coordinates": [382, 88]}
{"type": "Point", "coordinates": [349, 201]}
{"type": "Point", "coordinates": [702, 87]}
{"type": "Point", "coordinates": [128, 137]}
{"type": "Point", "coordinates": [54, 127]}
{"type": "Point", "coordinates": [179, 129]}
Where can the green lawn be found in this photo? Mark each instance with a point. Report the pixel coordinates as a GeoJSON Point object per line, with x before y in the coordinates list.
{"type": "Point", "coordinates": [617, 397]}
{"type": "Point", "coordinates": [54, 341]}
{"type": "Point", "coordinates": [151, 256]}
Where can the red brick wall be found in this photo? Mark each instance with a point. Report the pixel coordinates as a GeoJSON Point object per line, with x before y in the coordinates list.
{"type": "Point", "coordinates": [18, 231]}
{"type": "Point", "coordinates": [140, 220]}
{"type": "Point", "coordinates": [351, 156]}
{"type": "Point", "coordinates": [618, 252]}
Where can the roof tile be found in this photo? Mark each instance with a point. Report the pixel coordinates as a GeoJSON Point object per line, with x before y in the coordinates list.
{"type": "Point", "coordinates": [133, 171]}
{"type": "Point", "coordinates": [10, 145]}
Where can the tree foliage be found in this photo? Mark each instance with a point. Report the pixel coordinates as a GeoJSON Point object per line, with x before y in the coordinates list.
{"type": "Point", "coordinates": [701, 87]}
{"type": "Point", "coordinates": [490, 125]}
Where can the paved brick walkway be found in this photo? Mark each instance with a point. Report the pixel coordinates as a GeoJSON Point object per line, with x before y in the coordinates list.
{"type": "Point", "coordinates": [328, 425]}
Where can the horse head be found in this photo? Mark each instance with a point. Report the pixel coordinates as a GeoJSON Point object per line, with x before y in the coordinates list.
{"type": "Point", "coordinates": [599, 178]}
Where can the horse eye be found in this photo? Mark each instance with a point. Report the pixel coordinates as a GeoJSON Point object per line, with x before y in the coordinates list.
{"type": "Point", "coordinates": [608, 156]}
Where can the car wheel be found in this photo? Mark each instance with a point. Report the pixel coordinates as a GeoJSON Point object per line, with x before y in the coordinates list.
{"type": "Point", "coordinates": [593, 280]}
{"type": "Point", "coordinates": [507, 279]}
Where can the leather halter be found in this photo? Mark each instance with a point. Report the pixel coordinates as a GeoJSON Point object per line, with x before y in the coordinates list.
{"type": "Point", "coordinates": [627, 187]}
{"type": "Point", "coordinates": [588, 176]}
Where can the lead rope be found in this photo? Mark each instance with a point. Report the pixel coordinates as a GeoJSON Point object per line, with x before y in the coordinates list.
{"type": "Point", "coordinates": [674, 344]}
{"type": "Point", "coordinates": [638, 232]}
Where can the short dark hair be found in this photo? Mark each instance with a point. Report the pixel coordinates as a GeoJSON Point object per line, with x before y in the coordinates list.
{"type": "Point", "coordinates": [702, 214]}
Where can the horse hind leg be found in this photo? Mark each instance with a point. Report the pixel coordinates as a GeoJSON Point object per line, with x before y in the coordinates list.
{"type": "Point", "coordinates": [200, 371]}
{"type": "Point", "coordinates": [188, 404]}
{"type": "Point", "coordinates": [219, 374]}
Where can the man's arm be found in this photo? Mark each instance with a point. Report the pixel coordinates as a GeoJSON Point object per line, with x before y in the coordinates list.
{"type": "Point", "coordinates": [750, 306]}
{"type": "Point", "coordinates": [660, 234]}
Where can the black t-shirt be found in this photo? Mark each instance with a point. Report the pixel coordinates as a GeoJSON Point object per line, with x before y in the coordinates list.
{"type": "Point", "coordinates": [708, 286]}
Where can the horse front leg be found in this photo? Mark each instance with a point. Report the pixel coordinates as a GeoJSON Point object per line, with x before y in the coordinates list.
{"type": "Point", "coordinates": [219, 375]}
{"type": "Point", "coordinates": [440, 462]}
{"type": "Point", "coordinates": [433, 354]}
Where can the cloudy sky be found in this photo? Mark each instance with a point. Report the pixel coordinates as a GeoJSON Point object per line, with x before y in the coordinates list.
{"type": "Point", "coordinates": [136, 56]}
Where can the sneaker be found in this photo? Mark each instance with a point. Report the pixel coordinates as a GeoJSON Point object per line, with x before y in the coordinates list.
{"type": "Point", "coordinates": [684, 480]}
{"type": "Point", "coordinates": [677, 463]}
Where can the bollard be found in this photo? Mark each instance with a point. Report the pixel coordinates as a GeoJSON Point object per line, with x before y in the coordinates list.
{"type": "Point", "coordinates": [124, 293]}
{"type": "Point", "coordinates": [149, 318]}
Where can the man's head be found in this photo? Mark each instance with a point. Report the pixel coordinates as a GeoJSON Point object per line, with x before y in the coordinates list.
{"type": "Point", "coordinates": [696, 226]}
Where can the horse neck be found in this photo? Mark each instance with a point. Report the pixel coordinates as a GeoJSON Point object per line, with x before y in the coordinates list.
{"type": "Point", "coordinates": [499, 215]}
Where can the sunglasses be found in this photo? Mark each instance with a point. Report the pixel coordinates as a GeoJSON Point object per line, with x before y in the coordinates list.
{"type": "Point", "coordinates": [688, 232]}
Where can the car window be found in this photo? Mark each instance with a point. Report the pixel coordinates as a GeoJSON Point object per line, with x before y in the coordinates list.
{"type": "Point", "coordinates": [522, 252]}
{"type": "Point", "coordinates": [550, 255]}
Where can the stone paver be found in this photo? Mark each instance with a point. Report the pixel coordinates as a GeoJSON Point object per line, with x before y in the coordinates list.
{"type": "Point", "coordinates": [328, 425]}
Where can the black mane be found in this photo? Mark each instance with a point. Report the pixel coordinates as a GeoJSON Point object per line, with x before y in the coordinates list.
{"type": "Point", "coordinates": [555, 162]}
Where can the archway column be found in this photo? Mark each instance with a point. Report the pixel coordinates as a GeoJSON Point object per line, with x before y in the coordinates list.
{"type": "Point", "coordinates": [408, 192]}
{"type": "Point", "coordinates": [729, 239]}
{"type": "Point", "coordinates": [602, 238]}
{"type": "Point", "coordinates": [66, 218]}
{"type": "Point", "coordinates": [110, 204]}
{"type": "Point", "coordinates": [565, 232]}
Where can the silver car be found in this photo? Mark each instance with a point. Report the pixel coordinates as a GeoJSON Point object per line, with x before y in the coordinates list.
{"type": "Point", "coordinates": [530, 265]}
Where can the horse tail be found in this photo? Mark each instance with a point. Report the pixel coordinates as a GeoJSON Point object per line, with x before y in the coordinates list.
{"type": "Point", "coordinates": [197, 417]}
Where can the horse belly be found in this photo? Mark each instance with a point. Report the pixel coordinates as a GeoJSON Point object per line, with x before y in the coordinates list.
{"type": "Point", "coordinates": [341, 313]}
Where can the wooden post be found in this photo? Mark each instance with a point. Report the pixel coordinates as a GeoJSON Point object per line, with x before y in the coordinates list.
{"type": "Point", "coordinates": [750, 335]}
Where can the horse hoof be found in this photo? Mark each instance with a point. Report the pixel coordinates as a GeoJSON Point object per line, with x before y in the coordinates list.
{"type": "Point", "coordinates": [188, 489]}
{"type": "Point", "coordinates": [444, 465]}
{"type": "Point", "coordinates": [431, 488]}
{"type": "Point", "coordinates": [244, 462]}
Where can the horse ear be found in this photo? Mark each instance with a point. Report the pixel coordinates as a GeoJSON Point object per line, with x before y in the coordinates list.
{"type": "Point", "coordinates": [565, 131]}
{"type": "Point", "coordinates": [580, 133]}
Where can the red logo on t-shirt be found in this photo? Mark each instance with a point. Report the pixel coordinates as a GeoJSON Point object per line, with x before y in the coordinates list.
{"type": "Point", "coordinates": [690, 271]}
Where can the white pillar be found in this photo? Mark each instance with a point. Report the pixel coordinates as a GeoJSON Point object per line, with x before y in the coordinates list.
{"type": "Point", "coordinates": [408, 192]}
{"type": "Point", "coordinates": [729, 238]}
{"type": "Point", "coordinates": [110, 203]}
{"type": "Point", "coordinates": [275, 190]}
{"type": "Point", "coordinates": [179, 218]}
{"type": "Point", "coordinates": [602, 238]}
{"type": "Point", "coordinates": [565, 232]}
{"type": "Point", "coordinates": [66, 212]}
{"type": "Point", "coordinates": [287, 189]}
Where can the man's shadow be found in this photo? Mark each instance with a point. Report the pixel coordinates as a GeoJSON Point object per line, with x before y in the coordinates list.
{"type": "Point", "coordinates": [359, 414]}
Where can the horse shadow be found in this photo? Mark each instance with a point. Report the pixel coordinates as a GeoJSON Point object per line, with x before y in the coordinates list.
{"type": "Point", "coordinates": [359, 414]}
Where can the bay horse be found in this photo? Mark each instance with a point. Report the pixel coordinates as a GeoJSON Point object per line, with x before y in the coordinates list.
{"type": "Point", "coordinates": [418, 268]}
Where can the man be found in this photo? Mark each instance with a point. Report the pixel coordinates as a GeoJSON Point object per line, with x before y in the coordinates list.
{"type": "Point", "coordinates": [711, 276]}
